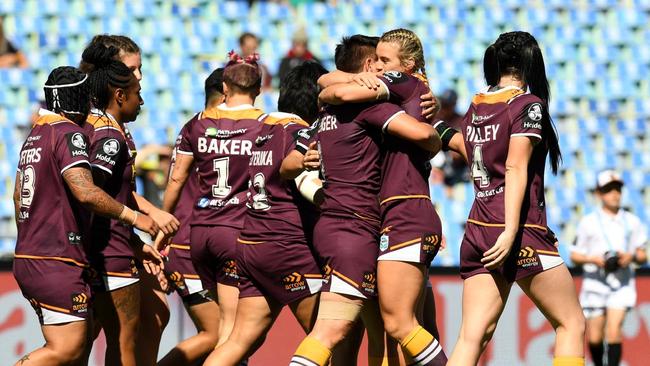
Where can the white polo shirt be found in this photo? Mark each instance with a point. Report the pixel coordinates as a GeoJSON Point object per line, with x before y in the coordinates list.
{"type": "Point", "coordinates": [600, 232]}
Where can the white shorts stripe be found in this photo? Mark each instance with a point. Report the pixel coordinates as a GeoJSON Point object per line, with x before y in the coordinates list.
{"type": "Point", "coordinates": [112, 283]}
{"type": "Point", "coordinates": [193, 286]}
{"type": "Point", "coordinates": [55, 317]}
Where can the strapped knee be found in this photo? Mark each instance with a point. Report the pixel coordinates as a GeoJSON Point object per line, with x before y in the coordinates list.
{"type": "Point", "coordinates": [338, 310]}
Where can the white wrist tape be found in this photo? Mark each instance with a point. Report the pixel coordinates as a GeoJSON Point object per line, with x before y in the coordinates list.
{"type": "Point", "coordinates": [307, 184]}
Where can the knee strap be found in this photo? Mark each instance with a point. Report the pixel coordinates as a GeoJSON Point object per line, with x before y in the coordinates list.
{"type": "Point", "coordinates": [338, 310]}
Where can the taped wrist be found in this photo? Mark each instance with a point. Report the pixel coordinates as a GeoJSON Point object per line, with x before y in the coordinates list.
{"type": "Point", "coordinates": [445, 132]}
{"type": "Point", "coordinates": [305, 182]}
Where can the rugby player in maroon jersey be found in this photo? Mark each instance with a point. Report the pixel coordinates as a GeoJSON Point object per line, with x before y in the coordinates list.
{"type": "Point", "coordinates": [506, 135]}
{"type": "Point", "coordinates": [154, 310]}
{"type": "Point", "coordinates": [53, 199]}
{"type": "Point", "coordinates": [274, 259]}
{"type": "Point", "coordinates": [219, 144]}
{"type": "Point", "coordinates": [345, 237]}
{"type": "Point", "coordinates": [411, 229]}
{"type": "Point", "coordinates": [115, 95]}
{"type": "Point", "coordinates": [199, 302]}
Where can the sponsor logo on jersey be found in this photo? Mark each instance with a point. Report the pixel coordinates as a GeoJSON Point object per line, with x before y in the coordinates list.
{"type": "Point", "coordinates": [527, 257]}
{"type": "Point", "coordinates": [106, 159]}
{"type": "Point", "coordinates": [78, 140]}
{"type": "Point", "coordinates": [369, 283]}
{"type": "Point", "coordinates": [230, 269]}
{"type": "Point", "coordinates": [480, 119]}
{"type": "Point", "coordinates": [535, 112]}
{"type": "Point", "coordinates": [205, 202]}
{"type": "Point", "coordinates": [294, 282]}
{"type": "Point", "coordinates": [429, 242]}
{"type": "Point", "coordinates": [395, 77]}
{"type": "Point", "coordinates": [260, 140]}
{"type": "Point", "coordinates": [74, 238]}
{"type": "Point", "coordinates": [383, 242]}
{"type": "Point", "coordinates": [80, 303]}
{"type": "Point", "coordinates": [211, 132]}
{"type": "Point", "coordinates": [489, 192]}
{"type": "Point", "coordinates": [111, 147]}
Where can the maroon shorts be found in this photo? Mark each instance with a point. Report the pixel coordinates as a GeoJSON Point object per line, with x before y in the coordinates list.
{"type": "Point", "coordinates": [180, 271]}
{"type": "Point", "coordinates": [533, 251]}
{"type": "Point", "coordinates": [410, 232]}
{"type": "Point", "coordinates": [213, 252]}
{"type": "Point", "coordinates": [58, 291]}
{"type": "Point", "coordinates": [347, 248]}
{"type": "Point", "coordinates": [282, 271]}
{"type": "Point", "coordinates": [112, 273]}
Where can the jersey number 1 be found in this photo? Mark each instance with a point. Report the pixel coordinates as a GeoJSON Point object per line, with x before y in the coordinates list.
{"type": "Point", "coordinates": [479, 172]}
{"type": "Point", "coordinates": [221, 189]}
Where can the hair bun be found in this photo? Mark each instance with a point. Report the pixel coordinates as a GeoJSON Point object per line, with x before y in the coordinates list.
{"type": "Point", "coordinates": [65, 75]}
{"type": "Point", "coordinates": [99, 55]}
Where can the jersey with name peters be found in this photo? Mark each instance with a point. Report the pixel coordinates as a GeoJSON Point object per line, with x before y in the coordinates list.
{"type": "Point", "coordinates": [492, 119]}
{"type": "Point", "coordinates": [221, 142]}
{"type": "Point", "coordinates": [112, 153]}
{"type": "Point", "coordinates": [349, 140]}
{"type": "Point", "coordinates": [406, 168]}
{"type": "Point", "coordinates": [189, 194]}
{"type": "Point", "coordinates": [51, 222]}
{"type": "Point", "coordinates": [276, 209]}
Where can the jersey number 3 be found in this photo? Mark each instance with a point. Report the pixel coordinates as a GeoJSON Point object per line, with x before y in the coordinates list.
{"type": "Point", "coordinates": [221, 189]}
{"type": "Point", "coordinates": [479, 172]}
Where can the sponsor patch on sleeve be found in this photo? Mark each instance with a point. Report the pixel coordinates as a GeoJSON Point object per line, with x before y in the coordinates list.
{"type": "Point", "coordinates": [106, 152]}
{"type": "Point", "coordinates": [533, 116]}
{"type": "Point", "coordinates": [395, 77]}
{"type": "Point", "coordinates": [77, 144]}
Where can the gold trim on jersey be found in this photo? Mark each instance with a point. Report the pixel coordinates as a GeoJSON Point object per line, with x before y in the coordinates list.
{"type": "Point", "coordinates": [307, 275]}
{"type": "Point", "coordinates": [344, 278]}
{"type": "Point", "coordinates": [60, 259]}
{"type": "Point", "coordinates": [500, 96]}
{"type": "Point", "coordinates": [235, 115]}
{"type": "Point", "coordinates": [481, 223]}
{"type": "Point", "coordinates": [249, 242]}
{"type": "Point", "coordinates": [119, 274]}
{"type": "Point", "coordinates": [46, 119]}
{"type": "Point", "coordinates": [365, 217]}
{"type": "Point", "coordinates": [98, 121]}
{"type": "Point", "coordinates": [192, 276]}
{"type": "Point", "coordinates": [271, 120]}
{"type": "Point", "coordinates": [179, 246]}
{"type": "Point", "coordinates": [547, 252]}
{"type": "Point", "coordinates": [404, 244]}
{"type": "Point", "coordinates": [403, 197]}
{"type": "Point", "coordinates": [55, 308]}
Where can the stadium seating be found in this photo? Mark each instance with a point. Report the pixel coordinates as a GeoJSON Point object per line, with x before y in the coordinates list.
{"type": "Point", "coordinates": [596, 55]}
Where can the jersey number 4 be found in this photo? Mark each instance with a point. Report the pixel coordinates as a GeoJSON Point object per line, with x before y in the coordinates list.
{"type": "Point", "coordinates": [479, 172]}
{"type": "Point", "coordinates": [221, 189]}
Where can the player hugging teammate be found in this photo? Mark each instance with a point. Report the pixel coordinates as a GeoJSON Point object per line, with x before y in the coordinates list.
{"type": "Point", "coordinates": [322, 207]}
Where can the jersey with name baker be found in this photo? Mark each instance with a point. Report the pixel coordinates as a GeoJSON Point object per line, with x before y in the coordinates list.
{"type": "Point", "coordinates": [51, 223]}
{"type": "Point", "coordinates": [221, 142]}
{"type": "Point", "coordinates": [276, 210]}
{"type": "Point", "coordinates": [492, 119]}
{"type": "Point", "coordinates": [113, 153]}
{"type": "Point", "coordinates": [349, 139]}
{"type": "Point", "coordinates": [406, 168]}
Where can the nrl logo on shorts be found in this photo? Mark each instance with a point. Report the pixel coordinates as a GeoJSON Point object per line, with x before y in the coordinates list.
{"type": "Point", "coordinates": [383, 242]}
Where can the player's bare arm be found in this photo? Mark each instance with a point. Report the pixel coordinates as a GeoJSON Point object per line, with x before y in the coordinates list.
{"type": "Point", "coordinates": [177, 178]}
{"type": "Point", "coordinates": [410, 129]}
{"type": "Point", "coordinates": [334, 77]}
{"type": "Point", "coordinates": [519, 152]}
{"type": "Point", "coordinates": [16, 198]}
{"type": "Point", "coordinates": [292, 165]}
{"type": "Point", "coordinates": [351, 93]}
{"type": "Point", "coordinates": [93, 198]}
{"type": "Point", "coordinates": [151, 259]}
{"type": "Point", "coordinates": [167, 222]}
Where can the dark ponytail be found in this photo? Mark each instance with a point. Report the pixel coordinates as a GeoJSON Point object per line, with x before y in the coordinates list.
{"type": "Point", "coordinates": [518, 53]}
{"type": "Point", "coordinates": [105, 72]}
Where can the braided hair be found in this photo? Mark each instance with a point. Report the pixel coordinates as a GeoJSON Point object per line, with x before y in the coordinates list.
{"type": "Point", "coordinates": [106, 73]}
{"type": "Point", "coordinates": [518, 53]}
{"type": "Point", "coordinates": [66, 92]}
{"type": "Point", "coordinates": [243, 75]}
{"type": "Point", "coordinates": [410, 47]}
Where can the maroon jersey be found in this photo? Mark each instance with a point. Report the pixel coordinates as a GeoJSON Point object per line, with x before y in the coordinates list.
{"type": "Point", "coordinates": [406, 168]}
{"type": "Point", "coordinates": [276, 210]}
{"type": "Point", "coordinates": [492, 118]}
{"type": "Point", "coordinates": [221, 142]}
{"type": "Point", "coordinates": [112, 151]}
{"type": "Point", "coordinates": [51, 223]}
{"type": "Point", "coordinates": [349, 138]}
{"type": "Point", "coordinates": [189, 194]}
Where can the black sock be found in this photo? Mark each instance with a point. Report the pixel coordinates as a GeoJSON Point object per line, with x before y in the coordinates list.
{"type": "Point", "coordinates": [597, 350]}
{"type": "Point", "coordinates": [614, 353]}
